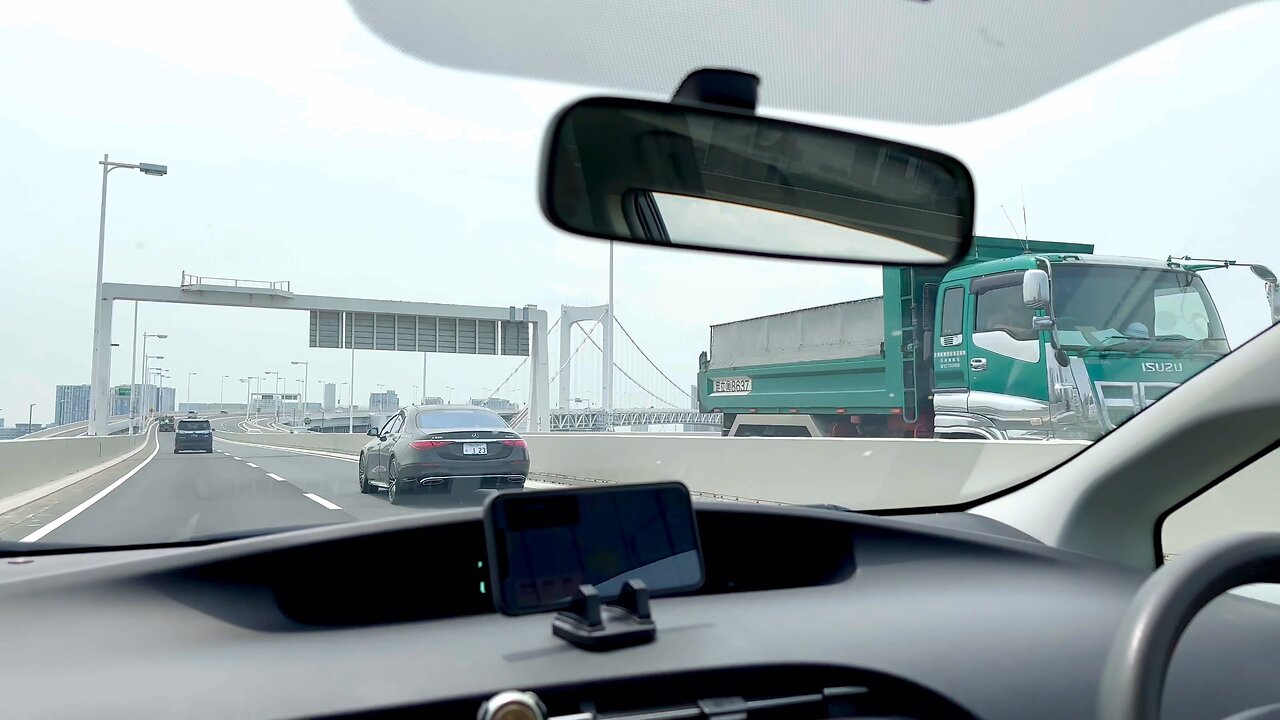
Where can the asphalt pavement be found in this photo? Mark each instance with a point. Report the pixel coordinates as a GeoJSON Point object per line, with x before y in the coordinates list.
{"type": "Point", "coordinates": [158, 496]}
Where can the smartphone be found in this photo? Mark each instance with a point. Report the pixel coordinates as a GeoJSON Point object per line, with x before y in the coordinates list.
{"type": "Point", "coordinates": [543, 544]}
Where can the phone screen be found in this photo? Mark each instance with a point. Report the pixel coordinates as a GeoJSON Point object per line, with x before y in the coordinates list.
{"type": "Point", "coordinates": [543, 545]}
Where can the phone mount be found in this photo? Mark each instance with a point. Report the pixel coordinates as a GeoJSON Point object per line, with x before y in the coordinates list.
{"type": "Point", "coordinates": [592, 625]}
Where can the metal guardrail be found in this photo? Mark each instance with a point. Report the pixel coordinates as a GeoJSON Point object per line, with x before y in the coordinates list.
{"type": "Point", "coordinates": [189, 280]}
{"type": "Point", "coordinates": [598, 419]}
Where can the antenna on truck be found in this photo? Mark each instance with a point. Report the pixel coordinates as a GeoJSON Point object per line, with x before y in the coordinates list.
{"type": "Point", "coordinates": [1025, 234]}
{"type": "Point", "coordinates": [1025, 247]}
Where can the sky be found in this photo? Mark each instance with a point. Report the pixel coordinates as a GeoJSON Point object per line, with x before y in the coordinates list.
{"type": "Point", "coordinates": [315, 154]}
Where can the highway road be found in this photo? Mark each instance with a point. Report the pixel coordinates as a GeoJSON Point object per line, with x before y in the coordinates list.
{"type": "Point", "coordinates": [158, 496]}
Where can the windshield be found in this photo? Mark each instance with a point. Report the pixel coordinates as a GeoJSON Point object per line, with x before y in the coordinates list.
{"type": "Point", "coordinates": [446, 419]}
{"type": "Point", "coordinates": [1103, 306]}
{"type": "Point", "coordinates": [306, 236]}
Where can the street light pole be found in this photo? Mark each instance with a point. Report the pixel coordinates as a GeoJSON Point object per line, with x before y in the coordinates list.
{"type": "Point", "coordinates": [143, 389]}
{"type": "Point", "coordinates": [99, 379]}
{"type": "Point", "coordinates": [222, 387]}
{"type": "Point", "coordinates": [275, 390]}
{"type": "Point", "coordinates": [133, 369]}
{"type": "Point", "coordinates": [248, 396]}
{"type": "Point", "coordinates": [30, 413]}
{"type": "Point", "coordinates": [189, 376]}
{"type": "Point", "coordinates": [146, 376]}
{"type": "Point", "coordinates": [306, 376]}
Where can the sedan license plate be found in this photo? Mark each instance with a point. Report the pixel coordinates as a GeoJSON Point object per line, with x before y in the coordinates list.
{"type": "Point", "coordinates": [475, 449]}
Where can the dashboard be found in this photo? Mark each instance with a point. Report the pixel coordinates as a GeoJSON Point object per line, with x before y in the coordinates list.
{"type": "Point", "coordinates": [803, 613]}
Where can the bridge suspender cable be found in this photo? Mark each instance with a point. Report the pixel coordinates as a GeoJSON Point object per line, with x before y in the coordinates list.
{"type": "Point", "coordinates": [637, 382]}
{"type": "Point", "coordinates": [653, 364]}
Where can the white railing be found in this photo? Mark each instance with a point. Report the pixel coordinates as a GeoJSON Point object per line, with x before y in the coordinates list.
{"type": "Point", "coordinates": [189, 280]}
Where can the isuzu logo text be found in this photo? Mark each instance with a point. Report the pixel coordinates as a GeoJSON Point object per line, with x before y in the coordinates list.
{"type": "Point", "coordinates": [1162, 366]}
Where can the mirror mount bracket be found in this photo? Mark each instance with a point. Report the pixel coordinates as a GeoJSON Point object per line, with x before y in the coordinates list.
{"type": "Point", "coordinates": [591, 625]}
{"type": "Point", "coordinates": [729, 89]}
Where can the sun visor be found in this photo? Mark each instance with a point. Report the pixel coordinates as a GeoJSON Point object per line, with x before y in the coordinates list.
{"type": "Point", "coordinates": [913, 61]}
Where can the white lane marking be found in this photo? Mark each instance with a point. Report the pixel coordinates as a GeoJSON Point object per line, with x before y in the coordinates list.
{"type": "Point", "coordinates": [251, 465]}
{"type": "Point", "coordinates": [274, 476]}
{"type": "Point", "coordinates": [322, 501]}
{"type": "Point", "coordinates": [233, 457]}
{"type": "Point", "coordinates": [33, 537]}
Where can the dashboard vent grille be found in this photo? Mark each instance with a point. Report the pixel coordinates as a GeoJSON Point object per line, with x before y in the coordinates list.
{"type": "Point", "coordinates": [753, 692]}
{"type": "Point", "coordinates": [834, 702]}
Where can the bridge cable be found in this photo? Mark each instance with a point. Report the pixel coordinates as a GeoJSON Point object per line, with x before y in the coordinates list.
{"type": "Point", "coordinates": [522, 364]}
{"type": "Point", "coordinates": [651, 362]}
{"type": "Point", "coordinates": [632, 379]}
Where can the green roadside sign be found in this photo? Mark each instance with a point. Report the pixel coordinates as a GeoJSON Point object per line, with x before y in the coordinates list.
{"type": "Point", "coordinates": [124, 391]}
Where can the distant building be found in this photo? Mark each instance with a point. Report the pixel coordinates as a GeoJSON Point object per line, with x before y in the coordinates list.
{"type": "Point", "coordinates": [211, 408]}
{"type": "Point", "coordinates": [387, 401]}
{"type": "Point", "coordinates": [165, 399]}
{"type": "Point", "coordinates": [496, 404]}
{"type": "Point", "coordinates": [433, 400]}
{"type": "Point", "coordinates": [71, 404]}
{"type": "Point", "coordinates": [330, 397]}
{"type": "Point", "coordinates": [120, 403]}
{"type": "Point", "coordinates": [18, 430]}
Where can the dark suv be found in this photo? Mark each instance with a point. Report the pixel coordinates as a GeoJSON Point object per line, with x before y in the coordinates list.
{"type": "Point", "coordinates": [193, 435]}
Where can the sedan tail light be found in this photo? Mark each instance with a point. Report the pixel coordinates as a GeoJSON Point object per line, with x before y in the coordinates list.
{"type": "Point", "coordinates": [519, 442]}
{"type": "Point", "coordinates": [427, 444]}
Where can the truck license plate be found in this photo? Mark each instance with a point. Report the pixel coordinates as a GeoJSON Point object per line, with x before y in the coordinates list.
{"type": "Point", "coordinates": [475, 449]}
{"type": "Point", "coordinates": [731, 385]}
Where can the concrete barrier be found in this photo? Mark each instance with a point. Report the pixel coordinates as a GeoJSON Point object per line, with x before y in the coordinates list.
{"type": "Point", "coordinates": [858, 474]}
{"type": "Point", "coordinates": [329, 442]}
{"type": "Point", "coordinates": [33, 468]}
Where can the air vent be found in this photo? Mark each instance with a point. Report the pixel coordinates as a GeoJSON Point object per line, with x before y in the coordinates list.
{"type": "Point", "coordinates": [768, 692]}
{"type": "Point", "coordinates": [833, 702]}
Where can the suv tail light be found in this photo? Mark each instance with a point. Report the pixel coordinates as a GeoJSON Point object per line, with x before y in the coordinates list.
{"type": "Point", "coordinates": [519, 442]}
{"type": "Point", "coordinates": [427, 444]}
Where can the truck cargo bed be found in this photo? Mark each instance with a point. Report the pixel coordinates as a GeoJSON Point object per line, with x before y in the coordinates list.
{"type": "Point", "coordinates": [842, 331]}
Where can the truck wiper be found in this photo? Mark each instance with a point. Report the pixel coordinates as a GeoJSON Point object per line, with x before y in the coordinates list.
{"type": "Point", "coordinates": [1194, 343]}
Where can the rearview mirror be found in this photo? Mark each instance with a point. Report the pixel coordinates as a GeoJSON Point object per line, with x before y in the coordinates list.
{"type": "Point", "coordinates": [1035, 289]}
{"type": "Point", "coordinates": [697, 176]}
{"type": "Point", "coordinates": [373, 432]}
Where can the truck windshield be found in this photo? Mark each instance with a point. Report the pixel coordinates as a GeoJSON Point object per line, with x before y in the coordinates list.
{"type": "Point", "coordinates": [1113, 306]}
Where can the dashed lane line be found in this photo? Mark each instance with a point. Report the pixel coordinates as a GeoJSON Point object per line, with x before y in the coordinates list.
{"type": "Point", "coordinates": [322, 501]}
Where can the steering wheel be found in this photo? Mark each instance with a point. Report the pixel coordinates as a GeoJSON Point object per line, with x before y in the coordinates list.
{"type": "Point", "coordinates": [1134, 675]}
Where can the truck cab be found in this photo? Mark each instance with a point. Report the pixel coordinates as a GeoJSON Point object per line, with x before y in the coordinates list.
{"type": "Point", "coordinates": [1064, 345]}
{"type": "Point", "coordinates": [1021, 340]}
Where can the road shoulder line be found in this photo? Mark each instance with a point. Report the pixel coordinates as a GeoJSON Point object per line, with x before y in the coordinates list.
{"type": "Point", "coordinates": [62, 519]}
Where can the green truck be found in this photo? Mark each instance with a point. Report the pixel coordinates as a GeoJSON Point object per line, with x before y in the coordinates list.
{"type": "Point", "coordinates": [1021, 340]}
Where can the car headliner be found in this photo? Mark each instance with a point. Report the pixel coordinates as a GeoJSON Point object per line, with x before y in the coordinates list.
{"type": "Point", "coordinates": [912, 61]}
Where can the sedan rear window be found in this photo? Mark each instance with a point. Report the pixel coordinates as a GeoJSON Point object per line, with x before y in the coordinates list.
{"type": "Point", "coordinates": [193, 424]}
{"type": "Point", "coordinates": [464, 419]}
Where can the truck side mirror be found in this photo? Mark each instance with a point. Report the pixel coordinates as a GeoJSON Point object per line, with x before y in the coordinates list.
{"type": "Point", "coordinates": [1035, 289]}
{"type": "Point", "coordinates": [1272, 284]}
